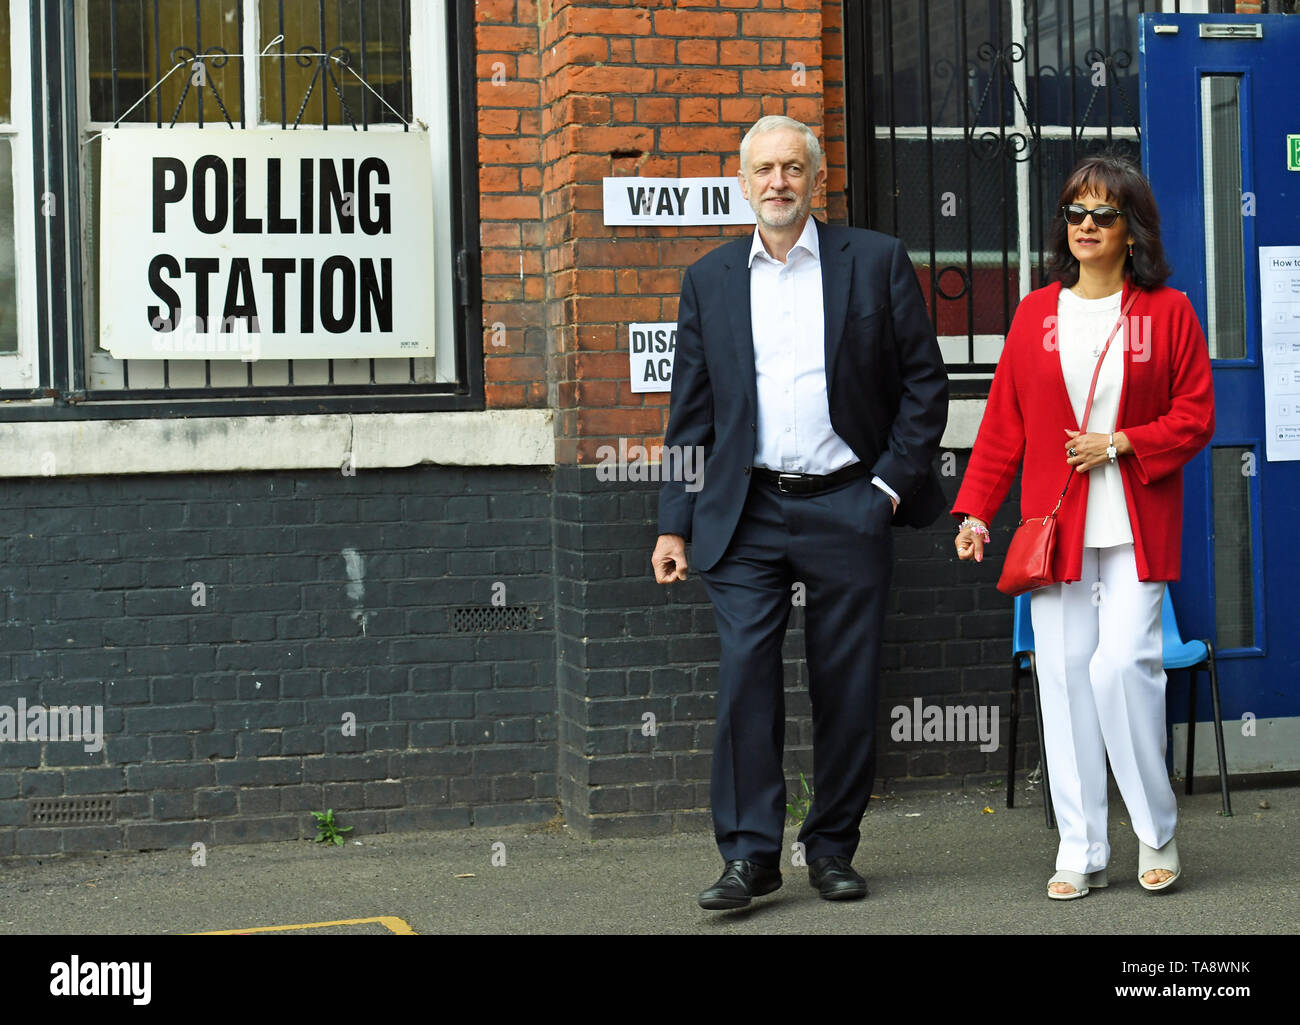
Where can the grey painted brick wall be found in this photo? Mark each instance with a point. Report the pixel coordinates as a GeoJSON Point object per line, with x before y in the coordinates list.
{"type": "Point", "coordinates": [224, 721]}
{"type": "Point", "coordinates": [628, 646]}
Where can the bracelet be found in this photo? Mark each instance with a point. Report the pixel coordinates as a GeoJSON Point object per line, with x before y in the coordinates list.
{"type": "Point", "coordinates": [977, 528]}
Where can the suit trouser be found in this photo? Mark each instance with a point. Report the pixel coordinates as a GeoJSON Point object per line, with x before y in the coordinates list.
{"type": "Point", "coordinates": [838, 545]}
{"type": "Point", "coordinates": [1102, 683]}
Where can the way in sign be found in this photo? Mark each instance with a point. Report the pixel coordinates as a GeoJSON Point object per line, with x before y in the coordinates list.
{"type": "Point", "coordinates": [670, 200]}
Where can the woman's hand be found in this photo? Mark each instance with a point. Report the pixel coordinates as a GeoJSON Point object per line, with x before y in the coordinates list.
{"type": "Point", "coordinates": [1088, 451]}
{"type": "Point", "coordinates": [970, 539]}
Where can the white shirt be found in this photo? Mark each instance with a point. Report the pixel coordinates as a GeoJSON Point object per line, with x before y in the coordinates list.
{"type": "Point", "coordinates": [789, 331]}
{"type": "Point", "coordinates": [1081, 330]}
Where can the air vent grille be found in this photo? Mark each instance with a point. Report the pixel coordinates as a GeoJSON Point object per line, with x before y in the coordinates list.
{"type": "Point", "coordinates": [493, 619]}
{"type": "Point", "coordinates": [59, 811]}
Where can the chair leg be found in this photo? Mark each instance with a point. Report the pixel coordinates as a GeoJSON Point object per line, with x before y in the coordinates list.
{"type": "Point", "coordinates": [1218, 729]}
{"type": "Point", "coordinates": [1014, 721]}
{"type": "Point", "coordinates": [1042, 745]}
{"type": "Point", "coordinates": [1191, 726]}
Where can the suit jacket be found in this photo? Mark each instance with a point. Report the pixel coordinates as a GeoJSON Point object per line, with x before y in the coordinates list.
{"type": "Point", "coordinates": [886, 384]}
{"type": "Point", "coordinates": [1166, 409]}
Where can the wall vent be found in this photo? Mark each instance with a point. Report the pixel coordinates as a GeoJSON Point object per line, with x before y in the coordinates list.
{"type": "Point", "coordinates": [493, 619]}
{"type": "Point", "coordinates": [63, 811]}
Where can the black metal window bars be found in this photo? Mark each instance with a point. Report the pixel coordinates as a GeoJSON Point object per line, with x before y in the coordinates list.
{"type": "Point", "coordinates": [962, 121]}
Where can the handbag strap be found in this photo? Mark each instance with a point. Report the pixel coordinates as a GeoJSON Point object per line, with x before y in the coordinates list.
{"type": "Point", "coordinates": [1092, 388]}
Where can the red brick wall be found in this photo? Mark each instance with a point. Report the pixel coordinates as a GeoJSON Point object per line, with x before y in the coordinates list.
{"type": "Point", "coordinates": [510, 185]}
{"type": "Point", "coordinates": [572, 91]}
{"type": "Point", "coordinates": [587, 90]}
{"type": "Point", "coordinates": [833, 137]}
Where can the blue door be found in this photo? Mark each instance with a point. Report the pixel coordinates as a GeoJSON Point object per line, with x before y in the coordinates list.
{"type": "Point", "coordinates": [1220, 95]}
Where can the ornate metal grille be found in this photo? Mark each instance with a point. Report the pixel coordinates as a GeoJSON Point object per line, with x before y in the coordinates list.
{"type": "Point", "coordinates": [964, 118]}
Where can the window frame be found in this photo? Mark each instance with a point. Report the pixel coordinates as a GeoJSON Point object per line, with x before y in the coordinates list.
{"type": "Point", "coordinates": [21, 372]}
{"type": "Point", "coordinates": [441, 35]}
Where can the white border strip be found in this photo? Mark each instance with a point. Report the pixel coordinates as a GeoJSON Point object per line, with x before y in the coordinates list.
{"type": "Point", "coordinates": [1273, 747]}
{"type": "Point", "coordinates": [506, 437]}
{"type": "Point", "coordinates": [495, 437]}
{"type": "Point", "coordinates": [964, 416]}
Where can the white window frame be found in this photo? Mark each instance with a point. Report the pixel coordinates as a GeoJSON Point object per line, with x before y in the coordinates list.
{"type": "Point", "coordinates": [430, 97]}
{"type": "Point", "coordinates": [19, 369]}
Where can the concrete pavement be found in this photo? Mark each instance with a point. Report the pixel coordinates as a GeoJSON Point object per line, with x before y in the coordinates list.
{"type": "Point", "coordinates": [936, 862]}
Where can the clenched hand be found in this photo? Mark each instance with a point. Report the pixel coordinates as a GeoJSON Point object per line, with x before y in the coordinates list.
{"type": "Point", "coordinates": [669, 558]}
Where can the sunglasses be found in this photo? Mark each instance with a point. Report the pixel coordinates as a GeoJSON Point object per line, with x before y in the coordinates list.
{"type": "Point", "coordinates": [1102, 216]}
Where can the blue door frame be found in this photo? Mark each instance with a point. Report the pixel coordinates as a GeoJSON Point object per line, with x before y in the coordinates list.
{"type": "Point", "coordinates": [1249, 603]}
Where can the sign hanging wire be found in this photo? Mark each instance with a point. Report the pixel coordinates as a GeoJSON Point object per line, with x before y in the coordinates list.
{"type": "Point", "coordinates": [266, 53]}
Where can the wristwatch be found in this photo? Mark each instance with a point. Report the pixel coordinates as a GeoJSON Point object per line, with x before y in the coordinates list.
{"type": "Point", "coordinates": [1110, 449]}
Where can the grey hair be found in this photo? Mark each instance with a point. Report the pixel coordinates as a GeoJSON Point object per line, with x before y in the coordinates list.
{"type": "Point", "coordinates": [771, 123]}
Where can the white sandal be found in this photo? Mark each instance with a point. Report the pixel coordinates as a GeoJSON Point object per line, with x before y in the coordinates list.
{"type": "Point", "coordinates": [1165, 858]}
{"type": "Point", "coordinates": [1081, 883]}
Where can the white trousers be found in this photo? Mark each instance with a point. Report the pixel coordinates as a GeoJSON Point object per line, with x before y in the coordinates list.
{"type": "Point", "coordinates": [1102, 685]}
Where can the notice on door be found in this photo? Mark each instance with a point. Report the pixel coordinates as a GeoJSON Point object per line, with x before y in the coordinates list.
{"type": "Point", "coordinates": [1279, 278]}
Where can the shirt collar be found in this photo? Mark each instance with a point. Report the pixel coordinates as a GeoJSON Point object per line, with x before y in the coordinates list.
{"type": "Point", "coordinates": [807, 240]}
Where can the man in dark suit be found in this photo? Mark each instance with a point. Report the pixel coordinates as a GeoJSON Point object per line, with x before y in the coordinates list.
{"type": "Point", "coordinates": [808, 376]}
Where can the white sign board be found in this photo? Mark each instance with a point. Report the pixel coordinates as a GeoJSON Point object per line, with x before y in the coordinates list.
{"type": "Point", "coordinates": [1279, 281]}
{"type": "Point", "coordinates": [651, 348]}
{"type": "Point", "coordinates": [676, 201]}
{"type": "Point", "coordinates": [266, 244]}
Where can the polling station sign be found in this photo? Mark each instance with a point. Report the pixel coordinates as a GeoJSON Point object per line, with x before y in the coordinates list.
{"type": "Point", "coordinates": [266, 244]}
{"type": "Point", "coordinates": [650, 349]}
{"type": "Point", "coordinates": [676, 201]}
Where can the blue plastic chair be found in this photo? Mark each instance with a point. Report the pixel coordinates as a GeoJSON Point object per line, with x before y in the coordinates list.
{"type": "Point", "coordinates": [1022, 662]}
{"type": "Point", "coordinates": [1193, 656]}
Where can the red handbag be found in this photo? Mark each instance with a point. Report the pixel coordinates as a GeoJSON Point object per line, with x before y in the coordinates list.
{"type": "Point", "coordinates": [1028, 563]}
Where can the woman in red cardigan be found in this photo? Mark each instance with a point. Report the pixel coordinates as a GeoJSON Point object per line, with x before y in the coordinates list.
{"type": "Point", "coordinates": [1097, 626]}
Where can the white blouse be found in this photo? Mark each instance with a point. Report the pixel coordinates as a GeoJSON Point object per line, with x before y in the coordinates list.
{"type": "Point", "coordinates": [1081, 330]}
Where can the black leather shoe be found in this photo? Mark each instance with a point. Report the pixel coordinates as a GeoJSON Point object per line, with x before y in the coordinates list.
{"type": "Point", "coordinates": [835, 879]}
{"type": "Point", "coordinates": [739, 883]}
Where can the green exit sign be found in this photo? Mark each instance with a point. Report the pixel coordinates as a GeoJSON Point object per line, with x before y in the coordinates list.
{"type": "Point", "coordinates": [1293, 152]}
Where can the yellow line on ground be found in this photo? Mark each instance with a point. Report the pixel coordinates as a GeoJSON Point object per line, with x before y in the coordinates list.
{"type": "Point", "coordinates": [397, 926]}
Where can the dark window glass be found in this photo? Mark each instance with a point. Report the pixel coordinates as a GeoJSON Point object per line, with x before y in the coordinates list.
{"type": "Point", "coordinates": [1083, 61]}
{"type": "Point", "coordinates": [371, 37]}
{"type": "Point", "coordinates": [1225, 265]}
{"type": "Point", "coordinates": [1234, 587]}
{"type": "Point", "coordinates": [137, 43]}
